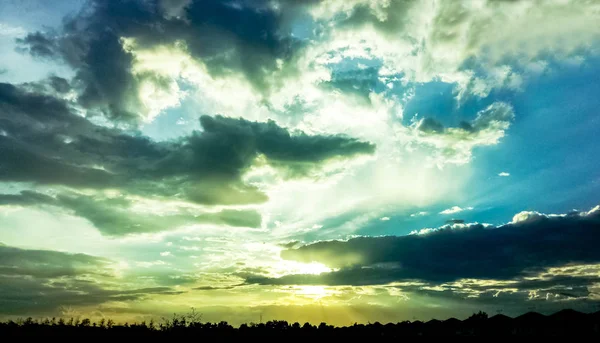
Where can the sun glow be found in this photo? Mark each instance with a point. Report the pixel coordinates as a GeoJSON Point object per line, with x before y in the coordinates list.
{"type": "Point", "coordinates": [313, 292]}
{"type": "Point", "coordinates": [313, 268]}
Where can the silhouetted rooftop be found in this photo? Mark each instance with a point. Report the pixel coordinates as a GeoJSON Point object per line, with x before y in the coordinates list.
{"type": "Point", "coordinates": [531, 317]}
{"type": "Point", "coordinates": [500, 318]}
{"type": "Point", "coordinates": [452, 321]}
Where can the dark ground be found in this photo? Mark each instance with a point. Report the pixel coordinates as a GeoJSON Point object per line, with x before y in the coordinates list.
{"type": "Point", "coordinates": [563, 323]}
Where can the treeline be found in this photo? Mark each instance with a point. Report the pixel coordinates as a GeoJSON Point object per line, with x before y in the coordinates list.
{"type": "Point", "coordinates": [566, 322]}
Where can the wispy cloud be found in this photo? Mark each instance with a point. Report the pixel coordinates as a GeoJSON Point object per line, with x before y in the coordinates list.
{"type": "Point", "coordinates": [11, 31]}
{"type": "Point", "coordinates": [504, 174]}
{"type": "Point", "coordinates": [420, 214]}
{"type": "Point", "coordinates": [455, 209]}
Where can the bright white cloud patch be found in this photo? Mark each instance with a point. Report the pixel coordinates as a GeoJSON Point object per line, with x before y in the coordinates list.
{"type": "Point", "coordinates": [425, 40]}
{"type": "Point", "coordinates": [12, 31]}
{"type": "Point", "coordinates": [456, 209]}
{"type": "Point", "coordinates": [454, 145]}
{"type": "Point", "coordinates": [420, 214]}
{"type": "Point", "coordinates": [503, 174]}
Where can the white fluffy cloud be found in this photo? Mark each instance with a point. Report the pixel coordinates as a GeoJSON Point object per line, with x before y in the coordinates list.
{"type": "Point", "coordinates": [456, 209]}
{"type": "Point", "coordinates": [427, 40]}
{"type": "Point", "coordinates": [420, 214]}
{"type": "Point", "coordinates": [11, 31]}
{"type": "Point", "coordinates": [454, 145]}
{"type": "Point", "coordinates": [416, 42]}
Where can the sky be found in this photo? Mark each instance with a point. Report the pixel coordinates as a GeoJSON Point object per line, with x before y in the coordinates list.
{"type": "Point", "coordinates": [332, 161]}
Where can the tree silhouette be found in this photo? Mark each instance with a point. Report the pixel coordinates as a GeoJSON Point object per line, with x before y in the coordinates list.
{"type": "Point", "coordinates": [479, 316]}
{"type": "Point", "coordinates": [189, 326]}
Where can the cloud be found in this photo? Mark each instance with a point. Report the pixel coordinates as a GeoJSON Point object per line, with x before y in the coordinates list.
{"type": "Point", "coordinates": [174, 8]}
{"type": "Point", "coordinates": [524, 247]}
{"type": "Point", "coordinates": [454, 145]}
{"type": "Point", "coordinates": [72, 148]}
{"type": "Point", "coordinates": [360, 82]}
{"type": "Point", "coordinates": [26, 198]}
{"type": "Point", "coordinates": [250, 40]}
{"type": "Point", "coordinates": [47, 264]}
{"type": "Point", "coordinates": [503, 174]}
{"type": "Point", "coordinates": [479, 46]}
{"type": "Point", "coordinates": [160, 52]}
{"type": "Point", "coordinates": [420, 214]}
{"type": "Point", "coordinates": [384, 219]}
{"type": "Point", "coordinates": [455, 209]}
{"type": "Point", "coordinates": [26, 295]}
{"type": "Point", "coordinates": [296, 152]}
{"type": "Point", "coordinates": [12, 31]}
{"type": "Point", "coordinates": [455, 221]}
{"type": "Point", "coordinates": [213, 288]}
{"type": "Point", "coordinates": [39, 44]}
{"type": "Point", "coordinates": [42, 281]}
{"type": "Point", "coordinates": [46, 143]}
{"type": "Point", "coordinates": [116, 216]}
{"type": "Point", "coordinates": [430, 125]}
{"type": "Point", "coordinates": [546, 292]}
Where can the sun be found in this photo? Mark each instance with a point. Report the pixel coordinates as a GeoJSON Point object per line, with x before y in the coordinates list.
{"type": "Point", "coordinates": [312, 292]}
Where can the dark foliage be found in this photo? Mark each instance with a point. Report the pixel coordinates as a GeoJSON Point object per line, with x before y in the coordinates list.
{"type": "Point", "coordinates": [566, 322]}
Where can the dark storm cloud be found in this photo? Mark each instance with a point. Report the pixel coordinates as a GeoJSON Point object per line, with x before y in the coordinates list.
{"type": "Point", "coordinates": [34, 145]}
{"type": "Point", "coordinates": [291, 150]}
{"type": "Point", "coordinates": [430, 125]}
{"type": "Point", "coordinates": [113, 216]}
{"type": "Point", "coordinates": [495, 117]}
{"type": "Point", "coordinates": [507, 252]}
{"type": "Point", "coordinates": [59, 84]}
{"type": "Point", "coordinates": [26, 198]}
{"type": "Point", "coordinates": [46, 263]}
{"type": "Point", "coordinates": [39, 44]}
{"type": "Point", "coordinates": [43, 141]}
{"type": "Point", "coordinates": [43, 297]}
{"type": "Point", "coordinates": [245, 37]}
{"type": "Point", "coordinates": [44, 280]}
